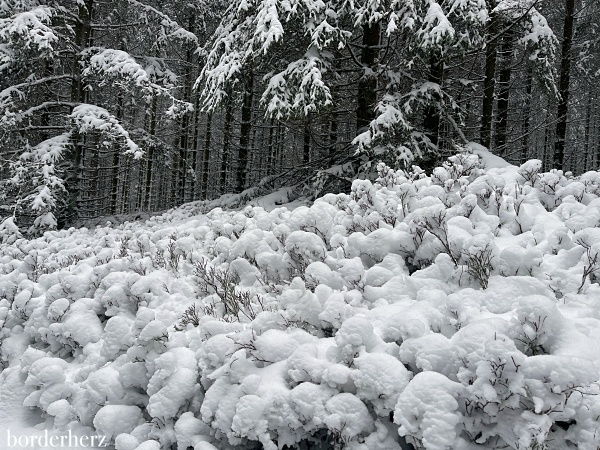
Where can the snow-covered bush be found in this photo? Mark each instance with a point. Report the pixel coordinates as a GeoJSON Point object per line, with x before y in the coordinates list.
{"type": "Point", "coordinates": [451, 311]}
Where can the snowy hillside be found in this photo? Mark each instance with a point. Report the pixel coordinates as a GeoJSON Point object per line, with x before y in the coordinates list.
{"type": "Point", "coordinates": [456, 311]}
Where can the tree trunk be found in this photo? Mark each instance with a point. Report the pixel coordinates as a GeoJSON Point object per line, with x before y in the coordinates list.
{"type": "Point", "coordinates": [183, 159]}
{"type": "Point", "coordinates": [333, 136]}
{"type": "Point", "coordinates": [94, 180]}
{"type": "Point", "coordinates": [526, 115]}
{"type": "Point", "coordinates": [182, 172]}
{"type": "Point", "coordinates": [115, 183]}
{"type": "Point", "coordinates": [546, 138]}
{"type": "Point", "coordinates": [83, 31]}
{"type": "Point", "coordinates": [504, 91]}
{"type": "Point", "coordinates": [150, 163]}
{"type": "Point", "coordinates": [564, 84]}
{"type": "Point", "coordinates": [271, 149]}
{"type": "Point", "coordinates": [588, 123]}
{"type": "Point", "coordinates": [596, 130]}
{"type": "Point", "coordinates": [367, 85]}
{"type": "Point", "coordinates": [194, 156]}
{"type": "Point", "coordinates": [431, 120]}
{"type": "Point", "coordinates": [123, 207]}
{"type": "Point", "coordinates": [489, 83]}
{"type": "Point", "coordinates": [226, 144]}
{"type": "Point", "coordinates": [245, 130]}
{"type": "Point", "coordinates": [206, 156]}
{"type": "Point", "coordinates": [45, 116]}
{"type": "Point", "coordinates": [174, 166]}
{"type": "Point", "coordinates": [281, 137]}
{"type": "Point", "coordinates": [306, 142]}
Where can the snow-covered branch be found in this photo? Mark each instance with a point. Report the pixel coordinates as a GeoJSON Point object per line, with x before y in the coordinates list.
{"type": "Point", "coordinates": [92, 118]}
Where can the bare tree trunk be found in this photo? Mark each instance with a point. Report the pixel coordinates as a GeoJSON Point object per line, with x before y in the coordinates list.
{"type": "Point", "coordinates": [226, 144]}
{"type": "Point", "coordinates": [333, 135]}
{"type": "Point", "coordinates": [150, 163]}
{"type": "Point", "coordinates": [183, 159]}
{"type": "Point", "coordinates": [139, 186]}
{"type": "Point", "coordinates": [489, 83]}
{"type": "Point", "coordinates": [182, 172]}
{"type": "Point", "coordinates": [94, 175]}
{"type": "Point", "coordinates": [546, 138]}
{"type": "Point", "coordinates": [114, 192]}
{"type": "Point", "coordinates": [431, 120]}
{"type": "Point", "coordinates": [271, 149]}
{"type": "Point", "coordinates": [504, 91]}
{"type": "Point", "coordinates": [367, 85]}
{"type": "Point", "coordinates": [206, 156]}
{"type": "Point", "coordinates": [564, 84]}
{"type": "Point", "coordinates": [126, 183]}
{"type": "Point", "coordinates": [245, 130]}
{"type": "Point", "coordinates": [281, 135]}
{"type": "Point", "coordinates": [83, 31]}
{"type": "Point", "coordinates": [45, 117]}
{"type": "Point", "coordinates": [194, 157]}
{"type": "Point", "coordinates": [306, 142]}
{"type": "Point", "coordinates": [595, 135]}
{"type": "Point", "coordinates": [596, 129]}
{"type": "Point", "coordinates": [526, 115]}
{"type": "Point", "coordinates": [588, 123]}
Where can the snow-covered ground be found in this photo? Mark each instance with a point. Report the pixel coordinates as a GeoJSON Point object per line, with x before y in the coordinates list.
{"type": "Point", "coordinates": [456, 311]}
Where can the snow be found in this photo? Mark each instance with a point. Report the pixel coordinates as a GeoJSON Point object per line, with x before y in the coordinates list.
{"type": "Point", "coordinates": [368, 320]}
{"type": "Point", "coordinates": [118, 66]}
{"type": "Point", "coordinates": [488, 159]}
{"type": "Point", "coordinates": [94, 118]}
{"type": "Point", "coordinates": [427, 410]}
{"type": "Point", "coordinates": [112, 420]}
{"type": "Point", "coordinates": [29, 27]}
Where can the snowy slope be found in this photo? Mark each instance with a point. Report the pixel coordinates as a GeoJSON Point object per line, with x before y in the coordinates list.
{"type": "Point", "coordinates": [456, 311]}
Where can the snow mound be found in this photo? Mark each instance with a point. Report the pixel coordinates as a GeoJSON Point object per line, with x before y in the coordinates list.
{"type": "Point", "coordinates": [451, 311]}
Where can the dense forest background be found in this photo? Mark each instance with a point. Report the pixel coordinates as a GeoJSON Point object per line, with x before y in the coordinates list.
{"type": "Point", "coordinates": [112, 107]}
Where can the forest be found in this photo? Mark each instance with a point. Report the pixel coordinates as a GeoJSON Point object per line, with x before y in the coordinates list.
{"type": "Point", "coordinates": [117, 107]}
{"type": "Point", "coordinates": [300, 224]}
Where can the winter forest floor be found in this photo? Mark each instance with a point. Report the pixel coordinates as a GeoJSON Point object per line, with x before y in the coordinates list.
{"type": "Point", "coordinates": [454, 311]}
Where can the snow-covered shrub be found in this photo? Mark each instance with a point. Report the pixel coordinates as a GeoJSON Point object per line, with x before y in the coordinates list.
{"type": "Point", "coordinates": [451, 311]}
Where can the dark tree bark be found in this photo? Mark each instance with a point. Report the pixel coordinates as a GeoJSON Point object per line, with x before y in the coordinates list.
{"type": "Point", "coordinates": [545, 153]}
{"type": "Point", "coordinates": [564, 84]}
{"type": "Point", "coordinates": [123, 207]}
{"type": "Point", "coordinates": [596, 133]}
{"type": "Point", "coordinates": [367, 85]}
{"type": "Point", "coordinates": [114, 191]}
{"type": "Point", "coordinates": [150, 162]}
{"type": "Point", "coordinates": [226, 144]}
{"type": "Point", "coordinates": [45, 116]}
{"type": "Point", "coordinates": [333, 135]}
{"type": "Point", "coordinates": [174, 165]}
{"type": "Point", "coordinates": [192, 194]}
{"type": "Point", "coordinates": [206, 156]}
{"type": "Point", "coordinates": [526, 116]}
{"type": "Point", "coordinates": [271, 147]}
{"type": "Point", "coordinates": [306, 142]}
{"type": "Point", "coordinates": [588, 123]}
{"type": "Point", "coordinates": [431, 119]}
{"type": "Point", "coordinates": [245, 131]}
{"type": "Point", "coordinates": [94, 179]}
{"type": "Point", "coordinates": [182, 172]}
{"type": "Point", "coordinates": [183, 156]}
{"type": "Point", "coordinates": [506, 51]}
{"type": "Point", "coordinates": [489, 83]}
{"type": "Point", "coordinates": [83, 32]}
{"type": "Point", "coordinates": [281, 138]}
